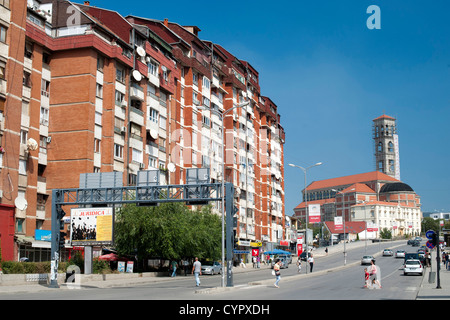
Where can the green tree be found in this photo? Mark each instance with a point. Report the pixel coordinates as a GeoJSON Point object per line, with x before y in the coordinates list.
{"type": "Point", "coordinates": [430, 224]}
{"type": "Point", "coordinates": [385, 233]}
{"type": "Point", "coordinates": [169, 231]}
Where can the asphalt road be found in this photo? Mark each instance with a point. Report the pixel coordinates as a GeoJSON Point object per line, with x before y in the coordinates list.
{"type": "Point", "coordinates": [339, 284]}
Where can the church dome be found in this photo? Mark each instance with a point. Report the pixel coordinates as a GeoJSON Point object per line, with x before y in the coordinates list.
{"type": "Point", "coordinates": [396, 187]}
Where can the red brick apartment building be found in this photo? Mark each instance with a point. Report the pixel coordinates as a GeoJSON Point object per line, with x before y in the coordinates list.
{"type": "Point", "coordinates": [85, 89]}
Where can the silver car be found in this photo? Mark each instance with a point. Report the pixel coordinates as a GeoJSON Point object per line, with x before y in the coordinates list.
{"type": "Point", "coordinates": [367, 260]}
{"type": "Point", "coordinates": [400, 254]}
{"type": "Point", "coordinates": [388, 252]}
{"type": "Point", "coordinates": [211, 268]}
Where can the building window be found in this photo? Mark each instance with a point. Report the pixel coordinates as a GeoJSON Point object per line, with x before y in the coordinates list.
{"type": "Point", "coordinates": [3, 34]}
{"type": "Point", "coordinates": [26, 79]}
{"type": "Point", "coordinates": [45, 88]}
{"type": "Point", "coordinates": [153, 115]}
{"type": "Point", "coordinates": [118, 151]}
{"type": "Point", "coordinates": [206, 83]}
{"type": "Point", "coordinates": [120, 74]}
{"type": "Point", "coordinates": [390, 147]}
{"type": "Point", "coordinates": [22, 167]}
{"type": "Point", "coordinates": [162, 122]}
{"type": "Point", "coordinates": [136, 155]}
{"type": "Point", "coordinates": [43, 144]}
{"type": "Point", "coordinates": [44, 116]}
{"type": "Point", "coordinates": [99, 91]}
{"type": "Point", "coordinates": [120, 97]}
{"type": "Point", "coordinates": [97, 143]}
{"type": "Point", "coordinates": [100, 63]}
{"type": "Point", "coordinates": [20, 225]}
{"type": "Point", "coordinates": [152, 162]}
{"type": "Point", "coordinates": [153, 68]}
{"type": "Point", "coordinates": [380, 147]}
{"type": "Point", "coordinates": [23, 136]}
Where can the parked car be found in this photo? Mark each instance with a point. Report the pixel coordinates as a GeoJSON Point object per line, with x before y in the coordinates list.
{"type": "Point", "coordinates": [211, 268]}
{"type": "Point", "coordinates": [388, 252]}
{"type": "Point", "coordinates": [413, 266]}
{"type": "Point", "coordinates": [400, 254]}
{"type": "Point", "coordinates": [367, 260]}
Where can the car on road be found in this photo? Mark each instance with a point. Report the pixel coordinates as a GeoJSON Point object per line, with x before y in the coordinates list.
{"type": "Point", "coordinates": [367, 259]}
{"type": "Point", "coordinates": [388, 252]}
{"type": "Point", "coordinates": [413, 266]}
{"type": "Point", "coordinates": [400, 254]}
{"type": "Point", "coordinates": [415, 243]}
{"type": "Point", "coordinates": [211, 268]}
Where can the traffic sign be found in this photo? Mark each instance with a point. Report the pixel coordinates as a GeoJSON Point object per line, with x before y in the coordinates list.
{"type": "Point", "coordinates": [429, 234]}
{"type": "Point", "coordinates": [429, 245]}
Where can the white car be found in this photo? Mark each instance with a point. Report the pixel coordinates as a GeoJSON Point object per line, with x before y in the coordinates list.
{"type": "Point", "coordinates": [413, 266]}
{"type": "Point", "coordinates": [388, 252]}
{"type": "Point", "coordinates": [400, 254]}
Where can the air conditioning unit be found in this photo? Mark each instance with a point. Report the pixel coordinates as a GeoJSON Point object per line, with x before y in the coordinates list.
{"type": "Point", "coordinates": [123, 129]}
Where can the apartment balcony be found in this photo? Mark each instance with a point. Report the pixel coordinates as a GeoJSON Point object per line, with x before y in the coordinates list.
{"type": "Point", "coordinates": [137, 116]}
{"type": "Point", "coordinates": [41, 185]}
{"type": "Point", "coordinates": [137, 93]}
{"type": "Point", "coordinates": [152, 149]}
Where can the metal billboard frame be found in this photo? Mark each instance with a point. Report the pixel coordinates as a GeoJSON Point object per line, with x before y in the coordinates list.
{"type": "Point", "coordinates": [142, 195]}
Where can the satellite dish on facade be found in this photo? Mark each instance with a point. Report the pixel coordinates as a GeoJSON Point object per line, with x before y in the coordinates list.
{"type": "Point", "coordinates": [140, 51]}
{"type": "Point", "coordinates": [137, 75]}
{"type": "Point", "coordinates": [21, 203]}
{"type": "Point", "coordinates": [32, 144]}
{"type": "Point", "coordinates": [171, 167]}
{"type": "Point", "coordinates": [153, 133]}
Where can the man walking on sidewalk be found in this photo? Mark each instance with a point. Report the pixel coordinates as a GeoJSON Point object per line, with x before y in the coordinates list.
{"type": "Point", "coordinates": [197, 271]}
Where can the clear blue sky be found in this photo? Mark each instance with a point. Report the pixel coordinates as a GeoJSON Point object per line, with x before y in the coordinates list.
{"type": "Point", "coordinates": [330, 76]}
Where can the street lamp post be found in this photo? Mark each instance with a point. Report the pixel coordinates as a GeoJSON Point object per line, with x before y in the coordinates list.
{"type": "Point", "coordinates": [343, 218]}
{"type": "Point", "coordinates": [306, 205]}
{"type": "Point", "coordinates": [223, 185]}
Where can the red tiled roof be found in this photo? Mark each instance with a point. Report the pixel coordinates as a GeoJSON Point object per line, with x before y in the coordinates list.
{"type": "Point", "coordinates": [384, 117]}
{"type": "Point", "coordinates": [349, 180]}
{"type": "Point", "coordinates": [358, 187]}
{"type": "Point", "coordinates": [321, 202]}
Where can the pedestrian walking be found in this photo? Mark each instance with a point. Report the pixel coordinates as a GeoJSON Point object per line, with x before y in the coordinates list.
{"type": "Point", "coordinates": [299, 265]}
{"type": "Point", "coordinates": [276, 269]}
{"type": "Point", "coordinates": [197, 271]}
{"type": "Point", "coordinates": [311, 262]}
{"type": "Point", "coordinates": [254, 262]}
{"type": "Point", "coordinates": [374, 274]}
{"type": "Point", "coordinates": [174, 268]}
{"type": "Point", "coordinates": [185, 266]}
{"type": "Point", "coordinates": [326, 251]}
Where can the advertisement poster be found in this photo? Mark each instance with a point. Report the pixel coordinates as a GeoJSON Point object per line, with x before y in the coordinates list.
{"type": "Point", "coordinates": [130, 265]}
{"type": "Point", "coordinates": [91, 226]}
{"type": "Point", "coordinates": [121, 266]}
{"type": "Point", "coordinates": [314, 213]}
{"type": "Point", "coordinates": [338, 224]}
